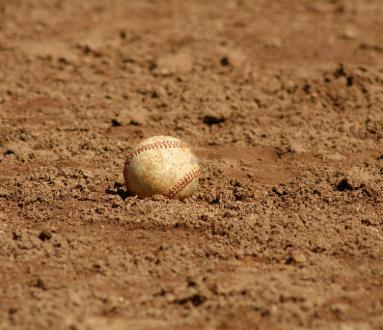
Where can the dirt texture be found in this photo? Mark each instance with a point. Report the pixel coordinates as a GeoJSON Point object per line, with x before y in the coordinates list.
{"type": "Point", "coordinates": [282, 101]}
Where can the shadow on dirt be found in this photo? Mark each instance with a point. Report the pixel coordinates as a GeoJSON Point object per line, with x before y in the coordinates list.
{"type": "Point", "coordinates": [118, 189]}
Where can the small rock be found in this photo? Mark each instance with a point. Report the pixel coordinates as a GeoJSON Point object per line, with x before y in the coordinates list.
{"type": "Point", "coordinates": [349, 33]}
{"type": "Point", "coordinates": [116, 123]}
{"type": "Point", "coordinates": [8, 152]}
{"type": "Point", "coordinates": [296, 256]}
{"type": "Point", "coordinates": [19, 150]}
{"type": "Point", "coordinates": [290, 86]}
{"type": "Point", "coordinates": [355, 178]}
{"type": "Point", "coordinates": [296, 147]}
{"type": "Point", "coordinates": [174, 63]}
{"type": "Point", "coordinates": [138, 117]}
{"type": "Point", "coordinates": [233, 57]}
{"type": "Point", "coordinates": [159, 92]}
{"type": "Point", "coordinates": [279, 191]}
{"type": "Point", "coordinates": [271, 86]}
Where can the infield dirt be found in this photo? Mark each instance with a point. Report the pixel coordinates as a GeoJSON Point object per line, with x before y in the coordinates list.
{"type": "Point", "coordinates": [282, 102]}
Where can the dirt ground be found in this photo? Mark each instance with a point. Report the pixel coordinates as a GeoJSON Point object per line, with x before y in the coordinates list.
{"type": "Point", "coordinates": [282, 101]}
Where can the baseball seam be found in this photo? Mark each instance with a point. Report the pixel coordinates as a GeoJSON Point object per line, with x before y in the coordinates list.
{"type": "Point", "coordinates": [183, 182]}
{"type": "Point", "coordinates": [152, 146]}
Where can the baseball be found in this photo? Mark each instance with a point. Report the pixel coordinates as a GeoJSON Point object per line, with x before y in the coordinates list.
{"type": "Point", "coordinates": [161, 165]}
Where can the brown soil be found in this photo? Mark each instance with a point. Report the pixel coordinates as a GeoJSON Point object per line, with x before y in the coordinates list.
{"type": "Point", "coordinates": [282, 102]}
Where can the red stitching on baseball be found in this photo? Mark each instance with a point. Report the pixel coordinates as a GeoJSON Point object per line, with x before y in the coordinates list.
{"type": "Point", "coordinates": [183, 183]}
{"type": "Point", "coordinates": [152, 146]}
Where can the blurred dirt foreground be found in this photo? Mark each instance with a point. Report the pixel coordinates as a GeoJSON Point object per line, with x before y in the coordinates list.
{"type": "Point", "coordinates": [282, 101]}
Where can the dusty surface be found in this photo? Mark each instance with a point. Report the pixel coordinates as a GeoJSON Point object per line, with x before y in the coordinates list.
{"type": "Point", "coordinates": [286, 230]}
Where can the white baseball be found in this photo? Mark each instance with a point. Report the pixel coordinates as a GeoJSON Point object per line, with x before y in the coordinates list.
{"type": "Point", "coordinates": [161, 165]}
